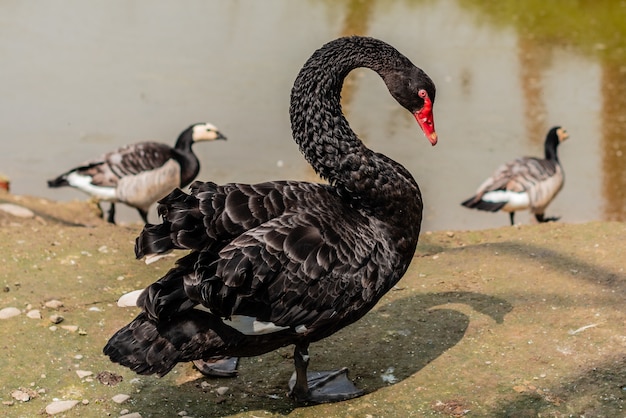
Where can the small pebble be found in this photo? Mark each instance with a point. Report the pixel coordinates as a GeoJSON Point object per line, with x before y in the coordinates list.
{"type": "Point", "coordinates": [120, 398]}
{"type": "Point", "coordinates": [57, 407]}
{"type": "Point", "coordinates": [20, 395]}
{"type": "Point", "coordinates": [70, 328]}
{"type": "Point", "coordinates": [83, 373]}
{"type": "Point", "coordinates": [34, 314]}
{"type": "Point", "coordinates": [222, 390]}
{"type": "Point", "coordinates": [53, 304]}
{"type": "Point", "coordinates": [9, 312]}
{"type": "Point", "coordinates": [95, 309]}
{"type": "Point", "coordinates": [182, 414]}
{"type": "Point", "coordinates": [53, 328]}
{"type": "Point", "coordinates": [131, 415]}
{"type": "Point", "coordinates": [16, 210]}
{"type": "Point", "coordinates": [56, 319]}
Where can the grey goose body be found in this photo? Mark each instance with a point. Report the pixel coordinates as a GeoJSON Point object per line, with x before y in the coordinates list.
{"type": "Point", "coordinates": [524, 183]}
{"type": "Point", "coordinates": [140, 174]}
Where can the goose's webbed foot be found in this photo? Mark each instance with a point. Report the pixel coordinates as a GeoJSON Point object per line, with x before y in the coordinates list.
{"type": "Point", "coordinates": [541, 219]}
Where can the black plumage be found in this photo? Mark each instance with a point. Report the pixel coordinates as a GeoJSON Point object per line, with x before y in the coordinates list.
{"type": "Point", "coordinates": [286, 262]}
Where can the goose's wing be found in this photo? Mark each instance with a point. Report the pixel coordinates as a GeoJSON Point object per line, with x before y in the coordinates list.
{"type": "Point", "coordinates": [136, 158]}
{"type": "Point", "coordinates": [518, 175]}
{"type": "Point", "coordinates": [108, 169]}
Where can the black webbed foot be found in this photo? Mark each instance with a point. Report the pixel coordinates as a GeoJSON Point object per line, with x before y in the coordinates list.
{"type": "Point", "coordinates": [218, 367]}
{"type": "Point", "coordinates": [323, 387]}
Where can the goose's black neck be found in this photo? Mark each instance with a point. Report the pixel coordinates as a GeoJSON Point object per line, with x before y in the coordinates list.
{"type": "Point", "coordinates": [551, 144]}
{"type": "Point", "coordinates": [324, 135]}
{"type": "Point", "coordinates": [183, 154]}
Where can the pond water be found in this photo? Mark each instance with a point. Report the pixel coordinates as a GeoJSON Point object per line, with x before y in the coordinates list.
{"type": "Point", "coordinates": [80, 78]}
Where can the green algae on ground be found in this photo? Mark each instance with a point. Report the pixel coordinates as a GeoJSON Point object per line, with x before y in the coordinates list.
{"type": "Point", "coordinates": [516, 321]}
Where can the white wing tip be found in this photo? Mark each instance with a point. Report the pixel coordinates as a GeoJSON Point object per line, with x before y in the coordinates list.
{"type": "Point", "coordinates": [153, 258]}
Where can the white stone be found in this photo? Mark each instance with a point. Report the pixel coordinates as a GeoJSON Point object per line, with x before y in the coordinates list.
{"type": "Point", "coordinates": [9, 312]}
{"type": "Point", "coordinates": [34, 314]}
{"type": "Point", "coordinates": [17, 210]}
{"type": "Point", "coordinates": [120, 398]}
{"type": "Point", "coordinates": [20, 395]}
{"type": "Point", "coordinates": [83, 373]}
{"type": "Point", "coordinates": [57, 407]}
{"type": "Point", "coordinates": [222, 390]}
{"type": "Point", "coordinates": [131, 415]}
{"type": "Point", "coordinates": [53, 304]}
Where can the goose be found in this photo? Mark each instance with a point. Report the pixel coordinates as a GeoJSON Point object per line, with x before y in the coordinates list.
{"type": "Point", "coordinates": [286, 262]}
{"type": "Point", "coordinates": [524, 183]}
{"type": "Point", "coordinates": [139, 174]}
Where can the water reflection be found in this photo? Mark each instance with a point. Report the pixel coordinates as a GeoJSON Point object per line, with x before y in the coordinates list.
{"type": "Point", "coordinates": [85, 78]}
{"type": "Point", "coordinates": [593, 28]}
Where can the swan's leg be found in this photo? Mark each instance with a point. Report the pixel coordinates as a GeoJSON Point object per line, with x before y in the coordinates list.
{"type": "Point", "coordinates": [218, 366]}
{"type": "Point", "coordinates": [319, 387]}
{"type": "Point", "coordinates": [512, 217]}
{"type": "Point", "coordinates": [111, 218]}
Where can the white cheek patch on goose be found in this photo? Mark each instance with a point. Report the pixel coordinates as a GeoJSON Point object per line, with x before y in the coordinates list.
{"type": "Point", "coordinates": [84, 183]}
{"type": "Point", "coordinates": [247, 325]}
{"type": "Point", "coordinates": [514, 200]}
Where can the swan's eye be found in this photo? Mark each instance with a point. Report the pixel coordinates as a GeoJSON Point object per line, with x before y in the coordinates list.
{"type": "Point", "coordinates": [422, 93]}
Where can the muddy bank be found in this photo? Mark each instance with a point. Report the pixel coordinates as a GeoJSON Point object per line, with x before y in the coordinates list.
{"type": "Point", "coordinates": [515, 321]}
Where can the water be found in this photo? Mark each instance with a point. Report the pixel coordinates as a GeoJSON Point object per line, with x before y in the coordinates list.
{"type": "Point", "coordinates": [81, 78]}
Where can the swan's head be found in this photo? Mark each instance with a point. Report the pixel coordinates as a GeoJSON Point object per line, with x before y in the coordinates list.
{"type": "Point", "coordinates": [415, 91]}
{"type": "Point", "coordinates": [205, 132]}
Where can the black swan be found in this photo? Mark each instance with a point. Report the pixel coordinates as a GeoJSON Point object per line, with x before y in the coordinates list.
{"type": "Point", "coordinates": [142, 173]}
{"type": "Point", "coordinates": [287, 262]}
{"type": "Point", "coordinates": [524, 183]}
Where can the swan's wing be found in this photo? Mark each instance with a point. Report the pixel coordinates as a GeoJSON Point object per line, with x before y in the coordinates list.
{"type": "Point", "coordinates": [212, 215]}
{"type": "Point", "coordinates": [295, 271]}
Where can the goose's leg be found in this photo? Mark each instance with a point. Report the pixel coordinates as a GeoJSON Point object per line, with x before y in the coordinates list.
{"type": "Point", "coordinates": [143, 214]}
{"type": "Point", "coordinates": [319, 387]}
{"type": "Point", "coordinates": [111, 218]}
{"type": "Point", "coordinates": [540, 218]}
{"type": "Point", "coordinates": [512, 216]}
{"type": "Point", "coordinates": [218, 366]}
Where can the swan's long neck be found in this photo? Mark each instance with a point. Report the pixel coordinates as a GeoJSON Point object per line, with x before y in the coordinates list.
{"type": "Point", "coordinates": [321, 130]}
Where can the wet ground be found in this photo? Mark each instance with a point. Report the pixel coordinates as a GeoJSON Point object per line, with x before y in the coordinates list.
{"type": "Point", "coordinates": [517, 321]}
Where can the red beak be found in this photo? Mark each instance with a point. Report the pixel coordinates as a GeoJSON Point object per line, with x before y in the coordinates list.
{"type": "Point", "coordinates": [424, 118]}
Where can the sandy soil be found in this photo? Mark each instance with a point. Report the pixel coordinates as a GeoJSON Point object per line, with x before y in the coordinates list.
{"type": "Point", "coordinates": [519, 321]}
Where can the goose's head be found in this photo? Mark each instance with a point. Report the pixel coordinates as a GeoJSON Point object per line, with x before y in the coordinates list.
{"type": "Point", "coordinates": [206, 132]}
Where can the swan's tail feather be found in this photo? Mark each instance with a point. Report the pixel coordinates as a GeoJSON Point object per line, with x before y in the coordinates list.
{"type": "Point", "coordinates": [148, 347]}
{"type": "Point", "coordinates": [141, 348]}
